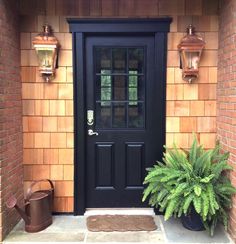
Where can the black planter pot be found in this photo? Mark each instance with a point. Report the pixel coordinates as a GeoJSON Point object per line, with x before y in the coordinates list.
{"type": "Point", "coordinates": [192, 221]}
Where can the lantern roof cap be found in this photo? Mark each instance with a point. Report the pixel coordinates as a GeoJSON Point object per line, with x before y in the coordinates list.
{"type": "Point", "coordinates": [46, 37]}
{"type": "Point", "coordinates": [191, 40]}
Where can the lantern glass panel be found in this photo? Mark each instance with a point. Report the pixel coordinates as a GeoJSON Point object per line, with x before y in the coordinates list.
{"type": "Point", "coordinates": [191, 59]}
{"type": "Point", "coordinates": [45, 57]}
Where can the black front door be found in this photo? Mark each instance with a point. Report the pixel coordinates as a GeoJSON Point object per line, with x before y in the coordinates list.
{"type": "Point", "coordinates": [119, 70]}
{"type": "Point", "coordinates": [124, 118]}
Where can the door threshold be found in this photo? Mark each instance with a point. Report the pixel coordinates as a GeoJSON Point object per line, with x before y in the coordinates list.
{"type": "Point", "coordinates": [119, 211]}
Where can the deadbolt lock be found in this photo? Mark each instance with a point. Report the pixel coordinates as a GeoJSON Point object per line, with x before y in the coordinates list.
{"type": "Point", "coordinates": [90, 117]}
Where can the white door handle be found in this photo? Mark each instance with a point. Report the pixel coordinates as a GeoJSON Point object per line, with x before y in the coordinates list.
{"type": "Point", "coordinates": [92, 133]}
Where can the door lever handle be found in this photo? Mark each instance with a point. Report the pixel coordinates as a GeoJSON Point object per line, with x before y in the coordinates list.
{"type": "Point", "coordinates": [92, 133]}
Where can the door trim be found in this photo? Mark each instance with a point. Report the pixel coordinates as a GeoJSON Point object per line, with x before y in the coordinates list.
{"type": "Point", "coordinates": [81, 28]}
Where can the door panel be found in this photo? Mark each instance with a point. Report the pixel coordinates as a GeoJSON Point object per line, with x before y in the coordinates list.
{"type": "Point", "coordinates": [104, 163]}
{"type": "Point", "coordinates": [134, 164]}
{"type": "Point", "coordinates": [123, 93]}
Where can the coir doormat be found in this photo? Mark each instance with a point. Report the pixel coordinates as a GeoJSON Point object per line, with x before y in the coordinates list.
{"type": "Point", "coordinates": [122, 223]}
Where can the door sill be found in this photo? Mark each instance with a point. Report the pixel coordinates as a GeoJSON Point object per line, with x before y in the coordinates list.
{"type": "Point", "coordinates": [119, 211]}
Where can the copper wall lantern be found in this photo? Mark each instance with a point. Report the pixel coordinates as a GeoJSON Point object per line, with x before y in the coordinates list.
{"type": "Point", "coordinates": [46, 46]}
{"type": "Point", "coordinates": [190, 50]}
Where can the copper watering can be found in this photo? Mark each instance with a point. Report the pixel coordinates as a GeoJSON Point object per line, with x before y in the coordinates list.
{"type": "Point", "coordinates": [38, 207]}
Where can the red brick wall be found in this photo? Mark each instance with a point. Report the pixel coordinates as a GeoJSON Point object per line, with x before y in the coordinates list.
{"type": "Point", "coordinates": [226, 91]}
{"type": "Point", "coordinates": [10, 114]}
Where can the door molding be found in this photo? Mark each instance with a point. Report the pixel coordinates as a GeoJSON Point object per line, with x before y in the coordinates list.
{"type": "Point", "coordinates": [81, 28]}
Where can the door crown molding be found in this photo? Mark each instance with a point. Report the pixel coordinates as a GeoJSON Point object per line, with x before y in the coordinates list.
{"type": "Point", "coordinates": [111, 25]}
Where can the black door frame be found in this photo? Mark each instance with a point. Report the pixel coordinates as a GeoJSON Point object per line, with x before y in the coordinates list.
{"type": "Point", "coordinates": [80, 29]}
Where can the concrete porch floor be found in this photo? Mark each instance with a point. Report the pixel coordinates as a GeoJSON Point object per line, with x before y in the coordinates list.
{"type": "Point", "coordinates": [72, 229]}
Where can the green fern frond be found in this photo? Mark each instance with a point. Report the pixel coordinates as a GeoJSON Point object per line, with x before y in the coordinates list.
{"type": "Point", "coordinates": [147, 191]}
{"type": "Point", "coordinates": [170, 208]}
{"type": "Point", "coordinates": [178, 190]}
{"type": "Point", "coordinates": [211, 196]}
{"type": "Point", "coordinates": [170, 176]}
{"type": "Point", "coordinates": [207, 179]}
{"type": "Point", "coordinates": [152, 174]}
{"type": "Point", "coordinates": [162, 194]}
{"type": "Point", "coordinates": [226, 189]}
{"type": "Point", "coordinates": [193, 151]}
{"type": "Point", "coordinates": [197, 190]}
{"type": "Point", "coordinates": [197, 203]}
{"type": "Point", "coordinates": [224, 217]}
{"type": "Point", "coordinates": [163, 203]}
{"type": "Point", "coordinates": [218, 168]}
{"type": "Point", "coordinates": [205, 205]}
{"type": "Point", "coordinates": [187, 203]}
{"type": "Point", "coordinates": [201, 161]}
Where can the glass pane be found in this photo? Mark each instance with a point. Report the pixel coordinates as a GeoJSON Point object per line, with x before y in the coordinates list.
{"type": "Point", "coordinates": [136, 115]}
{"type": "Point", "coordinates": [136, 87]}
{"type": "Point", "coordinates": [133, 80]}
{"type": "Point", "coordinates": [103, 87]}
{"type": "Point", "coordinates": [119, 94]}
{"type": "Point", "coordinates": [103, 115]}
{"type": "Point", "coordinates": [106, 94]}
{"type": "Point", "coordinates": [105, 81]}
{"type": "Point", "coordinates": [119, 80]}
{"type": "Point", "coordinates": [103, 60]}
{"type": "Point", "coordinates": [105, 71]}
{"type": "Point", "coordinates": [119, 87]}
{"type": "Point", "coordinates": [45, 57]}
{"type": "Point", "coordinates": [119, 60]}
{"type": "Point", "coordinates": [192, 60]}
{"type": "Point", "coordinates": [133, 94]}
{"type": "Point", "coordinates": [136, 60]}
{"type": "Point", "coordinates": [119, 115]}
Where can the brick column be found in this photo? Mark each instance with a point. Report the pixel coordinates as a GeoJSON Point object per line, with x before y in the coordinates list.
{"type": "Point", "coordinates": [11, 174]}
{"type": "Point", "coordinates": [226, 91]}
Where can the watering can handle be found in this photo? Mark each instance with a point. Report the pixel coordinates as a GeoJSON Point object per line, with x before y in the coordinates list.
{"type": "Point", "coordinates": [29, 191]}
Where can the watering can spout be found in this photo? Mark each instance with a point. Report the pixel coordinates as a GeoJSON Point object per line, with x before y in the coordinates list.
{"type": "Point", "coordinates": [12, 203]}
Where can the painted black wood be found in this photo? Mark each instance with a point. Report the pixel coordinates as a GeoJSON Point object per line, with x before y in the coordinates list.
{"type": "Point", "coordinates": [79, 123]}
{"type": "Point", "coordinates": [160, 61]}
{"type": "Point", "coordinates": [119, 25]}
{"type": "Point", "coordinates": [82, 29]}
{"type": "Point", "coordinates": [111, 158]}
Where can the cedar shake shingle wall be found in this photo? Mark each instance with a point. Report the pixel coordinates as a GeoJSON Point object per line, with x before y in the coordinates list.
{"type": "Point", "coordinates": [11, 147]}
{"type": "Point", "coordinates": [226, 91]}
{"type": "Point", "coordinates": [48, 108]}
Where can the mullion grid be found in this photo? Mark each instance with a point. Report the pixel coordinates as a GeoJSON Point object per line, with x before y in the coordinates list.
{"type": "Point", "coordinates": [113, 88]}
{"type": "Point", "coordinates": [127, 86]}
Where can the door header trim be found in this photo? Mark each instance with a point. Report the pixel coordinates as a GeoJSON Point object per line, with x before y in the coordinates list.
{"type": "Point", "coordinates": [111, 25]}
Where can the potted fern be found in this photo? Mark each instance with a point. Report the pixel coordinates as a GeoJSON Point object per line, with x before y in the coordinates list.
{"type": "Point", "coordinates": [190, 183]}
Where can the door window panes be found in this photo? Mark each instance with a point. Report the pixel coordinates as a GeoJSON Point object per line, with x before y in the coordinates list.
{"type": "Point", "coordinates": [119, 115]}
{"type": "Point", "coordinates": [136, 60]}
{"type": "Point", "coordinates": [136, 112]}
{"type": "Point", "coordinates": [119, 60]}
{"type": "Point", "coordinates": [103, 87]}
{"type": "Point", "coordinates": [106, 94]}
{"type": "Point", "coordinates": [120, 87]}
{"type": "Point", "coordinates": [103, 114]}
{"type": "Point", "coordinates": [103, 60]}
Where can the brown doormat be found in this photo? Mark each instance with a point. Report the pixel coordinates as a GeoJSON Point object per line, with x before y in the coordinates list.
{"type": "Point", "coordinates": [122, 223]}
